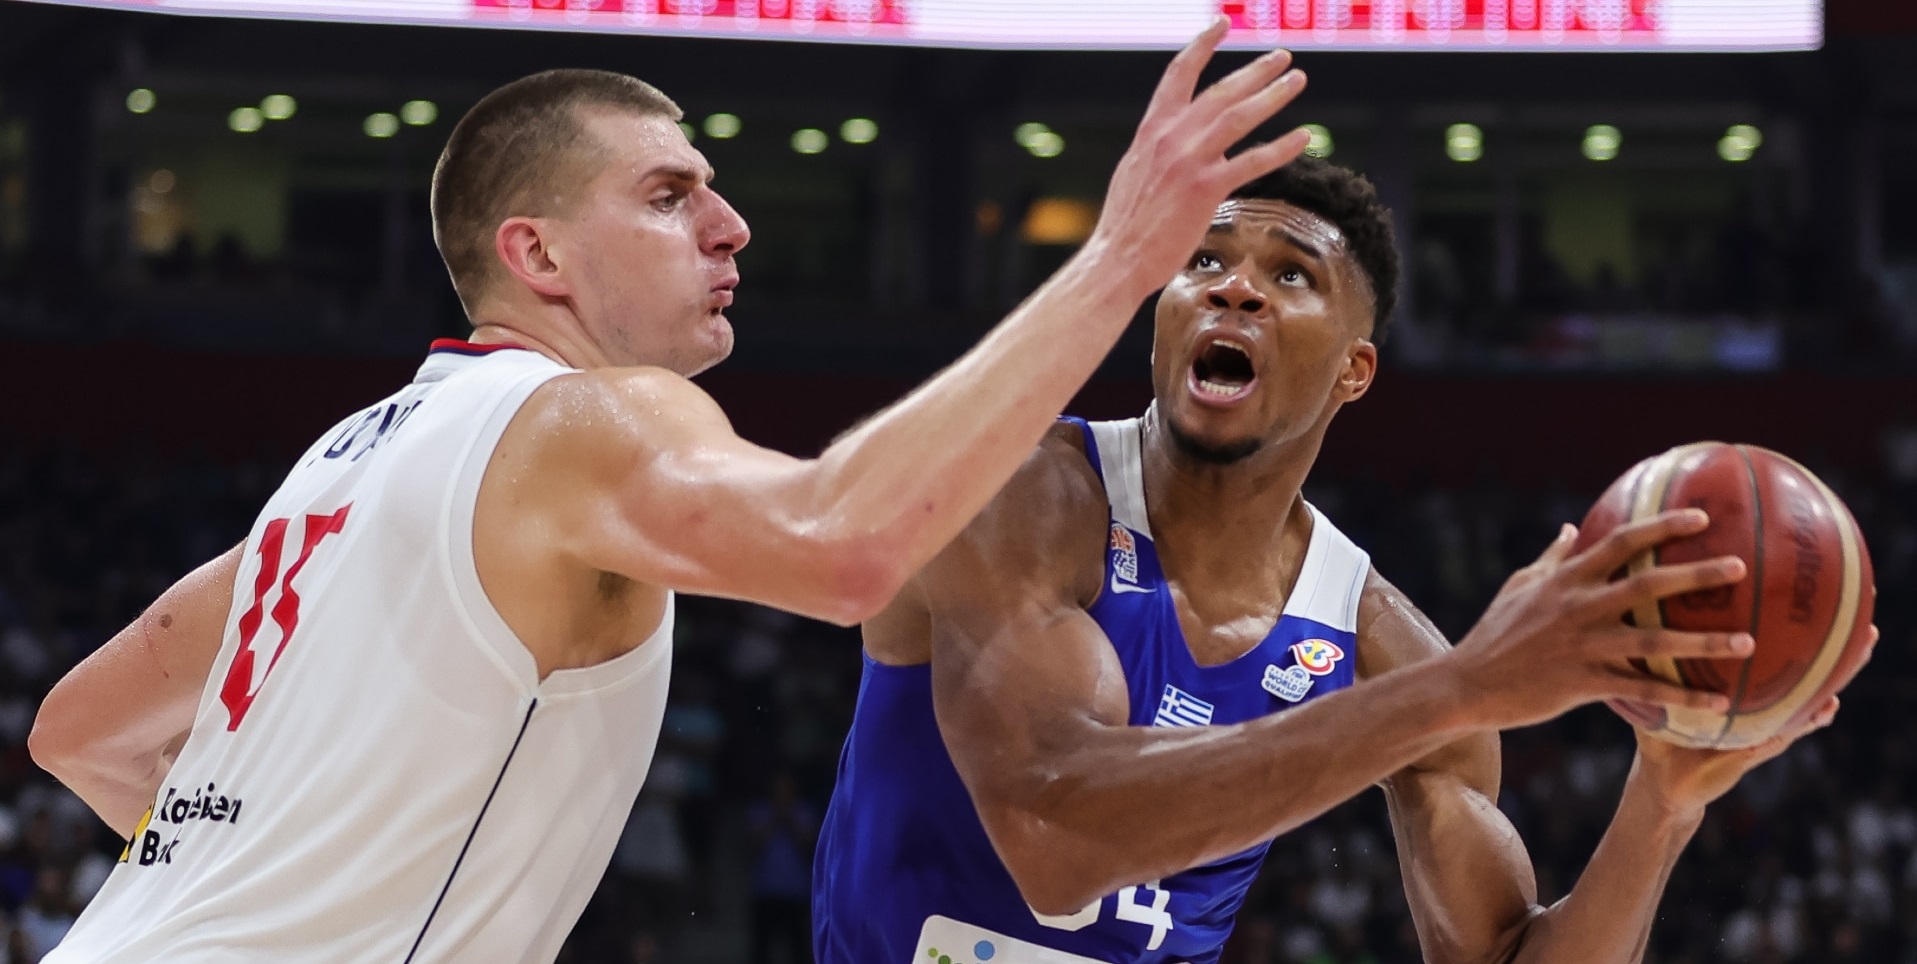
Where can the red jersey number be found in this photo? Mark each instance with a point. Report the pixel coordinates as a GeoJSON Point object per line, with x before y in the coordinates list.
{"type": "Point", "coordinates": [244, 678]}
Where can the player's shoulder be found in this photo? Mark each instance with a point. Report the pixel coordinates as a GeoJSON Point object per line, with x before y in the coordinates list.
{"type": "Point", "coordinates": [618, 387]}
{"type": "Point", "coordinates": [1392, 630]}
{"type": "Point", "coordinates": [610, 411]}
{"type": "Point", "coordinates": [1056, 488]}
{"type": "Point", "coordinates": [1042, 534]}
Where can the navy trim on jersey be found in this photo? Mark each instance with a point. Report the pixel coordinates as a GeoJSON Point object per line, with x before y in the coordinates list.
{"type": "Point", "coordinates": [474, 832]}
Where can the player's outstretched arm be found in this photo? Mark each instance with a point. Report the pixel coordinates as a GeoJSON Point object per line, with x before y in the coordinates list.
{"type": "Point", "coordinates": [110, 727]}
{"type": "Point", "coordinates": [680, 501]}
{"type": "Point", "coordinates": [1034, 710]}
{"type": "Point", "coordinates": [1468, 879]}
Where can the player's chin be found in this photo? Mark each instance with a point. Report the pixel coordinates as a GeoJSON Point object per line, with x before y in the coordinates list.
{"type": "Point", "coordinates": [714, 343]}
{"type": "Point", "coordinates": [1212, 435]}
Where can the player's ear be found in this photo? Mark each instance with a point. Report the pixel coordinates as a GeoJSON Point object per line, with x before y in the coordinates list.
{"type": "Point", "coordinates": [1361, 366]}
{"type": "Point", "coordinates": [524, 246]}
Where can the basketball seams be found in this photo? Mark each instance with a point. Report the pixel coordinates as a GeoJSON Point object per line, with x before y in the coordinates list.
{"type": "Point", "coordinates": [1684, 724]}
{"type": "Point", "coordinates": [1756, 576]}
{"type": "Point", "coordinates": [1837, 639]}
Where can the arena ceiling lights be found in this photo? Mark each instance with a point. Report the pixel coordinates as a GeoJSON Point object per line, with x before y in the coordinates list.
{"type": "Point", "coordinates": [1517, 25]}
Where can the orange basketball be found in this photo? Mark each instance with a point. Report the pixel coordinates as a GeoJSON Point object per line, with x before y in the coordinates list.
{"type": "Point", "coordinates": [1807, 599]}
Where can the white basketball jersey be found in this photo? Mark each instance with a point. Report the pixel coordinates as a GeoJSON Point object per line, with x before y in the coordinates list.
{"type": "Point", "coordinates": [376, 773]}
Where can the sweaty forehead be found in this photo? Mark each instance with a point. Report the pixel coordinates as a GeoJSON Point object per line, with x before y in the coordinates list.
{"type": "Point", "coordinates": [641, 144]}
{"type": "Point", "coordinates": [1280, 220]}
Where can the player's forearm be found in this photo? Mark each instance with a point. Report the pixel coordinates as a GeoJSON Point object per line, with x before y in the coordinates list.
{"type": "Point", "coordinates": [915, 474]}
{"type": "Point", "coordinates": [1207, 793]}
{"type": "Point", "coordinates": [1607, 917]}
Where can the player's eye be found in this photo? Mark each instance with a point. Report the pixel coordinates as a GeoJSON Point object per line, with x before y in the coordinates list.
{"type": "Point", "coordinates": [1207, 261]}
{"type": "Point", "coordinates": [669, 201]}
{"type": "Point", "coordinates": [1294, 277]}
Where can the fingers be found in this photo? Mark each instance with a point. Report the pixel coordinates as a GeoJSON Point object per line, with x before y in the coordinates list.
{"type": "Point", "coordinates": [1660, 582]}
{"type": "Point", "coordinates": [1626, 541]}
{"type": "Point", "coordinates": [1180, 80]}
{"type": "Point", "coordinates": [1245, 116]}
{"type": "Point", "coordinates": [1626, 642]}
{"type": "Point", "coordinates": [1825, 716]}
{"type": "Point", "coordinates": [1627, 684]}
{"type": "Point", "coordinates": [1254, 163]}
{"type": "Point", "coordinates": [1240, 86]}
{"type": "Point", "coordinates": [1560, 547]}
{"type": "Point", "coordinates": [1828, 714]}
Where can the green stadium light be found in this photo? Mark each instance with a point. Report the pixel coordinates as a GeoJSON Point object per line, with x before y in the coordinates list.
{"type": "Point", "coordinates": [809, 140]}
{"type": "Point", "coordinates": [1321, 144]}
{"type": "Point", "coordinates": [1464, 143]}
{"type": "Point", "coordinates": [419, 113]}
{"type": "Point", "coordinates": [859, 130]}
{"type": "Point", "coordinates": [381, 125]}
{"type": "Point", "coordinates": [246, 120]}
{"type": "Point", "coordinates": [1602, 142]}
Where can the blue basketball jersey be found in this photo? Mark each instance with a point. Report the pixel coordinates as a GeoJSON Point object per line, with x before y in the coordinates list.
{"type": "Point", "coordinates": [905, 871]}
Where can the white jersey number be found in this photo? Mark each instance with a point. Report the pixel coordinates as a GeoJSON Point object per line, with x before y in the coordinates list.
{"type": "Point", "coordinates": [1151, 913]}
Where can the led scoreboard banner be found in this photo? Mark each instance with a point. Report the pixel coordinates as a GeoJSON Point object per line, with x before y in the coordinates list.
{"type": "Point", "coordinates": [1522, 25]}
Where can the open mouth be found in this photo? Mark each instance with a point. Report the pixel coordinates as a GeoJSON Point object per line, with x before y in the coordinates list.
{"type": "Point", "coordinates": [1222, 372]}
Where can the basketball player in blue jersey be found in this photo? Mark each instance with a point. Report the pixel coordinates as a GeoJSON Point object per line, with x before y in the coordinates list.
{"type": "Point", "coordinates": [1081, 726]}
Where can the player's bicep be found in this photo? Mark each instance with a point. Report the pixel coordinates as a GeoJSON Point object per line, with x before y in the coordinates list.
{"type": "Point", "coordinates": [671, 496]}
{"type": "Point", "coordinates": [1020, 671]}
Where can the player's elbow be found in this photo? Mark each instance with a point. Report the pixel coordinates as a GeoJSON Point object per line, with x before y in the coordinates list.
{"type": "Point", "coordinates": [1050, 870]}
{"type": "Point", "coordinates": [861, 573]}
{"type": "Point", "coordinates": [54, 742]}
{"type": "Point", "coordinates": [1054, 895]}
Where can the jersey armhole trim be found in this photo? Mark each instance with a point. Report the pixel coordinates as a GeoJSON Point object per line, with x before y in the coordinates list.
{"type": "Point", "coordinates": [1331, 582]}
{"type": "Point", "coordinates": [1091, 444]}
{"type": "Point", "coordinates": [458, 563]}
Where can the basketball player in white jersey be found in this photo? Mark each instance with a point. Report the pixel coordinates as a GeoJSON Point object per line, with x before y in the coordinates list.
{"type": "Point", "coordinates": [406, 719]}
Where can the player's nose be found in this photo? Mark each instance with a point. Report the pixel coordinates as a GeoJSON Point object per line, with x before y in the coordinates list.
{"type": "Point", "coordinates": [1235, 292]}
{"type": "Point", "coordinates": [726, 231]}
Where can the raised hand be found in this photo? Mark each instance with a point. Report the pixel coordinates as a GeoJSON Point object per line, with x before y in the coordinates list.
{"type": "Point", "coordinates": [1553, 638]}
{"type": "Point", "coordinates": [1175, 174]}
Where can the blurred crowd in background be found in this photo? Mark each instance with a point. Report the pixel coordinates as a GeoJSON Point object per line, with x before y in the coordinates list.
{"type": "Point", "coordinates": [1812, 860]}
{"type": "Point", "coordinates": [150, 246]}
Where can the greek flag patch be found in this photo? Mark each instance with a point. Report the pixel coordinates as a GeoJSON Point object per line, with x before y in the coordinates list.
{"type": "Point", "coordinates": [1179, 708]}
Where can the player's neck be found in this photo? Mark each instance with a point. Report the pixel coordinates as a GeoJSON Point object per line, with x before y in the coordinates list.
{"type": "Point", "coordinates": [570, 352]}
{"type": "Point", "coordinates": [1226, 522]}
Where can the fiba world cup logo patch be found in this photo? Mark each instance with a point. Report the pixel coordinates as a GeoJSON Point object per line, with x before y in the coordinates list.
{"type": "Point", "coordinates": [1124, 553]}
{"type": "Point", "coordinates": [1318, 656]}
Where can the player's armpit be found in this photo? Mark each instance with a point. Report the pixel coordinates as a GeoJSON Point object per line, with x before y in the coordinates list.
{"type": "Point", "coordinates": [111, 727]}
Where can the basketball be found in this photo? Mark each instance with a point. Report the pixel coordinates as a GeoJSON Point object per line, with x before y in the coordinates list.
{"type": "Point", "coordinates": [1807, 598]}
